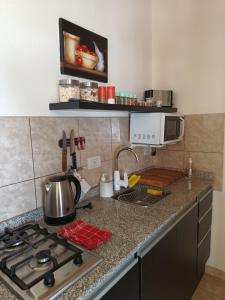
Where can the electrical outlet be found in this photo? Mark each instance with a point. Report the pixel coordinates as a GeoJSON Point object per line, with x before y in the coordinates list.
{"type": "Point", "coordinates": [94, 162]}
{"type": "Point", "coordinates": [147, 150]}
{"type": "Point", "coordinates": [115, 123]}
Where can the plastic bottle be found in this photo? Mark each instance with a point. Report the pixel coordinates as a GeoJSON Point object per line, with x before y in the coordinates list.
{"type": "Point", "coordinates": [118, 98]}
{"type": "Point", "coordinates": [122, 98]}
{"type": "Point", "coordinates": [190, 167]}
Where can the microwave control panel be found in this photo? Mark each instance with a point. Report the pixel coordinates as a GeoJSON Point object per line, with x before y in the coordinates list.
{"type": "Point", "coordinates": [145, 128]}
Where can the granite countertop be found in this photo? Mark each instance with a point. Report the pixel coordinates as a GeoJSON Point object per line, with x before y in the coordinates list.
{"type": "Point", "coordinates": [133, 227]}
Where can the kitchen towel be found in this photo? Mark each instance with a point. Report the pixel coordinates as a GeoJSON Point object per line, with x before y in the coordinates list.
{"type": "Point", "coordinates": [85, 235]}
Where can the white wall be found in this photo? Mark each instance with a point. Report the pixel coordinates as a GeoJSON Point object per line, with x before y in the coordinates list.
{"type": "Point", "coordinates": [188, 52]}
{"type": "Point", "coordinates": [188, 56]}
{"type": "Point", "coordinates": [29, 46]}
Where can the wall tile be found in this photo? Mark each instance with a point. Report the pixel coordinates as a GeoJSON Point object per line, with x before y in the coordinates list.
{"type": "Point", "coordinates": [120, 133]}
{"type": "Point", "coordinates": [179, 146]}
{"type": "Point", "coordinates": [169, 159]}
{"type": "Point", "coordinates": [97, 132]}
{"type": "Point", "coordinates": [146, 160]}
{"type": "Point", "coordinates": [17, 199]}
{"type": "Point", "coordinates": [96, 146]}
{"type": "Point", "coordinates": [95, 126]}
{"type": "Point", "coordinates": [46, 132]}
{"type": "Point", "coordinates": [208, 162]}
{"type": "Point", "coordinates": [16, 156]}
{"type": "Point", "coordinates": [204, 133]}
{"type": "Point", "coordinates": [120, 130]}
{"type": "Point", "coordinates": [93, 176]}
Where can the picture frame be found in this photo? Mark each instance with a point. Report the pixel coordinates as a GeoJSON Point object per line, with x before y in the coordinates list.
{"type": "Point", "coordinates": [83, 53]}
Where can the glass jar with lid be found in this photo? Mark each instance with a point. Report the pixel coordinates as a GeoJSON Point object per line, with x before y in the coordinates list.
{"type": "Point", "coordinates": [89, 91]}
{"type": "Point", "coordinates": [69, 89]}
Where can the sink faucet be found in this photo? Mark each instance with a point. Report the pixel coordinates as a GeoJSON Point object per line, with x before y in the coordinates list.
{"type": "Point", "coordinates": [125, 148]}
{"type": "Point", "coordinates": [117, 181]}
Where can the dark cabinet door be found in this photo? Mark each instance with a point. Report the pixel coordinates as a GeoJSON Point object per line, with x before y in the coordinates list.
{"type": "Point", "coordinates": [127, 288]}
{"type": "Point", "coordinates": [187, 255]}
{"type": "Point", "coordinates": [158, 270]}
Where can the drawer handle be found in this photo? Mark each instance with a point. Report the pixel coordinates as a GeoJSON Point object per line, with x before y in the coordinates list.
{"type": "Point", "coordinates": [205, 214]}
{"type": "Point", "coordinates": [199, 245]}
{"type": "Point", "coordinates": [203, 197]}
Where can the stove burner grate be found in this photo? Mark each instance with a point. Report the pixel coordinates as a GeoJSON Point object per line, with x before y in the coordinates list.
{"type": "Point", "coordinates": [14, 240]}
{"type": "Point", "coordinates": [42, 257]}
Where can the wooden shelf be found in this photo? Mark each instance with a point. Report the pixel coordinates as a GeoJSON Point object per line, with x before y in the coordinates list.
{"type": "Point", "coordinates": [80, 104]}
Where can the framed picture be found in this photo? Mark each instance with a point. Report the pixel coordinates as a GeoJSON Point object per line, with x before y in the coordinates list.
{"type": "Point", "coordinates": [82, 53]}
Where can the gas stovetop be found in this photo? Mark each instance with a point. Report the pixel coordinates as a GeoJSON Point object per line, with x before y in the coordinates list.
{"type": "Point", "coordinates": [37, 264]}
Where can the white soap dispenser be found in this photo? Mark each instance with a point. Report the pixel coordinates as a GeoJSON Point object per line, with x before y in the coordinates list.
{"type": "Point", "coordinates": [106, 186]}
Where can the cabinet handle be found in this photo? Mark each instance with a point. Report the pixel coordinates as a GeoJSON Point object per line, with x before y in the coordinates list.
{"type": "Point", "coordinates": [205, 195]}
{"type": "Point", "coordinates": [200, 243]}
{"type": "Point", "coordinates": [205, 214]}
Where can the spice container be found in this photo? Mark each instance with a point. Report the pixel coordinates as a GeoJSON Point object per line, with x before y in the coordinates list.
{"type": "Point", "coordinates": [125, 99]}
{"type": "Point", "coordinates": [111, 94]}
{"type": "Point", "coordinates": [122, 98]}
{"type": "Point", "coordinates": [89, 91]}
{"type": "Point", "coordinates": [135, 99]}
{"type": "Point", "coordinates": [150, 102]}
{"type": "Point", "coordinates": [102, 91]}
{"type": "Point", "coordinates": [118, 98]}
{"type": "Point", "coordinates": [68, 88]}
{"type": "Point", "coordinates": [129, 98]}
{"type": "Point", "coordinates": [158, 103]}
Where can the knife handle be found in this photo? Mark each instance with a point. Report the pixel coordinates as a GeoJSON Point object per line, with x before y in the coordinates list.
{"type": "Point", "coordinates": [64, 160]}
{"type": "Point", "coordinates": [74, 161]}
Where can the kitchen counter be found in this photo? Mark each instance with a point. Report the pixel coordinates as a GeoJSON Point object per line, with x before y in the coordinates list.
{"type": "Point", "coordinates": [132, 227]}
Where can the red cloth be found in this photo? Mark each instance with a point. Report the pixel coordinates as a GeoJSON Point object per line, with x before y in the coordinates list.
{"type": "Point", "coordinates": [85, 235]}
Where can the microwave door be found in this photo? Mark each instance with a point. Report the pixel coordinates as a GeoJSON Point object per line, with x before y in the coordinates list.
{"type": "Point", "coordinates": [172, 128]}
{"type": "Point", "coordinates": [145, 128]}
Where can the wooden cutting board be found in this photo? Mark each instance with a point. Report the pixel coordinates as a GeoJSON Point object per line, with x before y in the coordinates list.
{"type": "Point", "coordinates": [160, 178]}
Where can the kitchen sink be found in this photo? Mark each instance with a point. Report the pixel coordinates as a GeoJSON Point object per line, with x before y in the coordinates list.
{"type": "Point", "coordinates": [139, 196]}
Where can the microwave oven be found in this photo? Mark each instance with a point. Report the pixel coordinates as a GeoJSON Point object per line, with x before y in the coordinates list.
{"type": "Point", "coordinates": [156, 129]}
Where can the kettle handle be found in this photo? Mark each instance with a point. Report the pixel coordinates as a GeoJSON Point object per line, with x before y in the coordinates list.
{"type": "Point", "coordinates": [76, 182]}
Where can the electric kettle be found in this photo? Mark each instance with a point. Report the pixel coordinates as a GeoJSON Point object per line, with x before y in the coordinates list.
{"type": "Point", "coordinates": [61, 199]}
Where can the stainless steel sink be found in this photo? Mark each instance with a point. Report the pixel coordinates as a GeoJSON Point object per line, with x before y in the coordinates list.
{"type": "Point", "coordinates": [139, 196]}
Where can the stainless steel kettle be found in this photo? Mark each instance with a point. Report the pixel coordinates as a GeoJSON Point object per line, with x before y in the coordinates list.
{"type": "Point", "coordinates": [61, 199]}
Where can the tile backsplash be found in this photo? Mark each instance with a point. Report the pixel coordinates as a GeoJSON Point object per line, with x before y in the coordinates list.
{"type": "Point", "coordinates": [203, 142]}
{"type": "Point", "coordinates": [30, 153]}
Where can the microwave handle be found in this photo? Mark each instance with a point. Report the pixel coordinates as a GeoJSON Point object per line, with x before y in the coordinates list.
{"type": "Point", "coordinates": [182, 127]}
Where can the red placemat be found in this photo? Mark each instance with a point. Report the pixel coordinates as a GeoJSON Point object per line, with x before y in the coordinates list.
{"type": "Point", "coordinates": [85, 235]}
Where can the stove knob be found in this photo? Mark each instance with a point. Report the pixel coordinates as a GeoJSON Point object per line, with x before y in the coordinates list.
{"type": "Point", "coordinates": [49, 279]}
{"type": "Point", "coordinates": [78, 260]}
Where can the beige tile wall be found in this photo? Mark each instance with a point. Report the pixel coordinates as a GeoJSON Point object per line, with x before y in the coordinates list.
{"type": "Point", "coordinates": [203, 141]}
{"type": "Point", "coordinates": [30, 155]}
